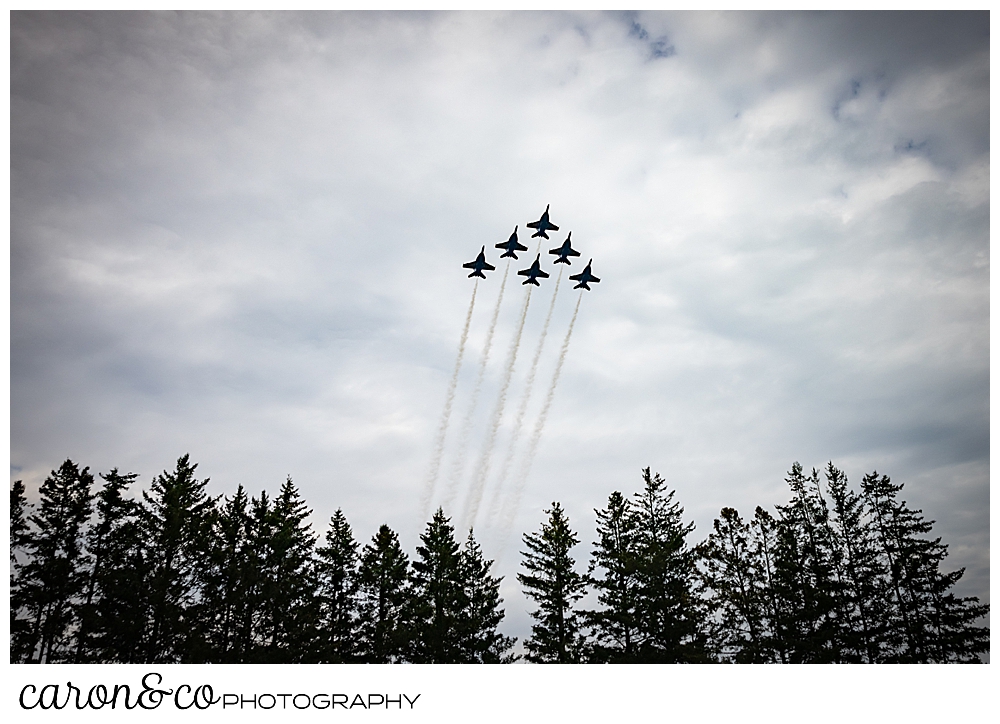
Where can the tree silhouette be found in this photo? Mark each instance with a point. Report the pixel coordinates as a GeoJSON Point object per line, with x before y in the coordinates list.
{"type": "Point", "coordinates": [177, 520]}
{"type": "Point", "coordinates": [54, 577]}
{"type": "Point", "coordinates": [337, 575]}
{"type": "Point", "coordinates": [555, 586]}
{"type": "Point", "coordinates": [383, 592]}
{"type": "Point", "coordinates": [482, 642]}
{"type": "Point", "coordinates": [112, 621]}
{"type": "Point", "coordinates": [20, 540]}
{"type": "Point", "coordinates": [615, 627]}
{"type": "Point", "coordinates": [931, 624]}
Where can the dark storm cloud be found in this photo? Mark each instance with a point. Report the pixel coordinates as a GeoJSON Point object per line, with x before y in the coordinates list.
{"type": "Point", "coordinates": [239, 235]}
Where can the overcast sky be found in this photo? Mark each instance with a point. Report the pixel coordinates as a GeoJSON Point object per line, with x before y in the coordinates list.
{"type": "Point", "coordinates": [240, 236]}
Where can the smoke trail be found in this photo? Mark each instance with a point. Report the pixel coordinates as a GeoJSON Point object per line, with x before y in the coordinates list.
{"type": "Point", "coordinates": [510, 509]}
{"type": "Point", "coordinates": [483, 467]}
{"type": "Point", "coordinates": [458, 464]}
{"type": "Point", "coordinates": [432, 473]}
{"type": "Point", "coordinates": [523, 407]}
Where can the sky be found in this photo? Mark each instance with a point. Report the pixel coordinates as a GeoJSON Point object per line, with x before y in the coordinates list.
{"type": "Point", "coordinates": [240, 236]}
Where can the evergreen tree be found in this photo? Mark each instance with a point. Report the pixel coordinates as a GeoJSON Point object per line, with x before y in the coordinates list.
{"type": "Point", "coordinates": [337, 575]}
{"type": "Point", "coordinates": [438, 603]}
{"type": "Point", "coordinates": [670, 615]}
{"type": "Point", "coordinates": [777, 639]}
{"type": "Point", "coordinates": [288, 582]}
{"type": "Point", "coordinates": [931, 624]}
{"type": "Point", "coordinates": [20, 541]}
{"type": "Point", "coordinates": [805, 572]}
{"type": "Point", "coordinates": [54, 577]}
{"type": "Point", "coordinates": [227, 583]}
{"type": "Point", "coordinates": [482, 642]}
{"type": "Point", "coordinates": [177, 521]}
{"type": "Point", "coordinates": [112, 616]}
{"type": "Point", "coordinates": [20, 532]}
{"type": "Point", "coordinates": [555, 586]}
{"type": "Point", "coordinates": [383, 592]}
{"type": "Point", "coordinates": [863, 591]}
{"type": "Point", "coordinates": [615, 626]}
{"type": "Point", "coordinates": [735, 578]}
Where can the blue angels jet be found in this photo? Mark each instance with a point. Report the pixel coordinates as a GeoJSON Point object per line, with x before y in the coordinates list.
{"type": "Point", "coordinates": [564, 251]}
{"type": "Point", "coordinates": [543, 225]}
{"type": "Point", "coordinates": [479, 264]}
{"type": "Point", "coordinates": [533, 272]}
{"type": "Point", "coordinates": [511, 246]}
{"type": "Point", "coordinates": [585, 277]}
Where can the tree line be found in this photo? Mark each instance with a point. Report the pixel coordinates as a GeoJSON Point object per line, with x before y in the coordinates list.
{"type": "Point", "coordinates": [178, 576]}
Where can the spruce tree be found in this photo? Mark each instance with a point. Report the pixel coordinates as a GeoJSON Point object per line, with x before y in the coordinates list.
{"type": "Point", "coordinates": [555, 586]}
{"type": "Point", "coordinates": [337, 577]}
{"type": "Point", "coordinates": [777, 633]}
{"type": "Point", "coordinates": [20, 539]}
{"type": "Point", "coordinates": [54, 577]}
{"type": "Point", "coordinates": [482, 642]}
{"type": "Point", "coordinates": [930, 624]}
{"type": "Point", "coordinates": [863, 591]}
{"type": "Point", "coordinates": [288, 582]}
{"type": "Point", "coordinates": [670, 615]}
{"type": "Point", "coordinates": [805, 572]}
{"type": "Point", "coordinates": [615, 626]}
{"type": "Point", "coordinates": [227, 583]}
{"type": "Point", "coordinates": [112, 619]}
{"type": "Point", "coordinates": [177, 520]}
{"type": "Point", "coordinates": [438, 604]}
{"type": "Point", "coordinates": [383, 592]}
{"type": "Point", "coordinates": [735, 579]}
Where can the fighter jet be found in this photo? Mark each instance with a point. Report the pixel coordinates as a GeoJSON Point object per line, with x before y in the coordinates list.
{"type": "Point", "coordinates": [533, 272]}
{"type": "Point", "coordinates": [511, 246]}
{"type": "Point", "coordinates": [564, 251]}
{"type": "Point", "coordinates": [585, 277]}
{"type": "Point", "coordinates": [479, 264]}
{"type": "Point", "coordinates": [543, 225]}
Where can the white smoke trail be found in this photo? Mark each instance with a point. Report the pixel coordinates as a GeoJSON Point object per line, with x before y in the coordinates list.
{"type": "Point", "coordinates": [510, 508]}
{"type": "Point", "coordinates": [522, 408]}
{"type": "Point", "coordinates": [458, 464]}
{"type": "Point", "coordinates": [435, 467]}
{"type": "Point", "coordinates": [485, 458]}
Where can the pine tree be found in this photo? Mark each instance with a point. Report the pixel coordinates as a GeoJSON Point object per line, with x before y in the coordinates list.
{"type": "Point", "coordinates": [288, 582]}
{"type": "Point", "coordinates": [482, 642]}
{"type": "Point", "coordinates": [227, 584]}
{"type": "Point", "coordinates": [805, 572]}
{"type": "Point", "coordinates": [177, 518]}
{"type": "Point", "coordinates": [555, 586]}
{"type": "Point", "coordinates": [337, 574]}
{"type": "Point", "coordinates": [53, 578]}
{"type": "Point", "coordinates": [20, 541]}
{"type": "Point", "coordinates": [615, 626]}
{"type": "Point", "coordinates": [438, 603]}
{"type": "Point", "coordinates": [863, 591]}
{"type": "Point", "coordinates": [113, 611]}
{"type": "Point", "coordinates": [383, 592]}
{"type": "Point", "coordinates": [777, 633]}
{"type": "Point", "coordinates": [931, 624]}
{"type": "Point", "coordinates": [735, 577]}
{"type": "Point", "coordinates": [670, 615]}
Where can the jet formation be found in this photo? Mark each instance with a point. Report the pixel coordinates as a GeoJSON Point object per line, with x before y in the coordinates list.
{"type": "Point", "coordinates": [534, 272]}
